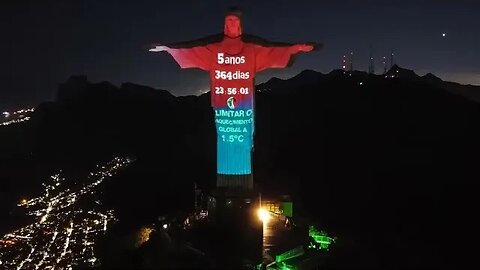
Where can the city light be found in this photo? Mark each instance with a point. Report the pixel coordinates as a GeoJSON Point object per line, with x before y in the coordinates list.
{"type": "Point", "coordinates": [16, 116]}
{"type": "Point", "coordinates": [143, 235]}
{"type": "Point", "coordinates": [66, 222]}
{"type": "Point", "coordinates": [263, 215]}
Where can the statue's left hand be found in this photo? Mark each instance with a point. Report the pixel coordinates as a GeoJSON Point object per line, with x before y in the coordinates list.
{"type": "Point", "coordinates": [305, 48]}
{"type": "Point", "coordinates": [158, 49]}
{"type": "Point", "coordinates": [302, 48]}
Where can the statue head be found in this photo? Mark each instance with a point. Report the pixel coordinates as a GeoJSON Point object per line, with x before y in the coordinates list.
{"type": "Point", "coordinates": [233, 23]}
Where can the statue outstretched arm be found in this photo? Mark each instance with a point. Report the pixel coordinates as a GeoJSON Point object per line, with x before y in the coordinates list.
{"type": "Point", "coordinates": [191, 54]}
{"type": "Point", "coordinates": [280, 56]}
{"type": "Point", "coordinates": [194, 57]}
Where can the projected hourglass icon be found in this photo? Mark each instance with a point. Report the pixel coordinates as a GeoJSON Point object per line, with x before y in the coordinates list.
{"type": "Point", "coordinates": [231, 103]}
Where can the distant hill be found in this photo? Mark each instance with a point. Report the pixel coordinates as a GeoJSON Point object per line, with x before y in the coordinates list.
{"type": "Point", "coordinates": [386, 162]}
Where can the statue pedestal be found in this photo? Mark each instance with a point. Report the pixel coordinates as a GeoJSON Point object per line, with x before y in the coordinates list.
{"type": "Point", "coordinates": [236, 229]}
{"type": "Point", "coordinates": [235, 182]}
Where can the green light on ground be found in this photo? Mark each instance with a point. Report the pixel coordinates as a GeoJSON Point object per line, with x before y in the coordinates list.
{"type": "Point", "coordinates": [284, 266]}
{"type": "Point", "coordinates": [293, 253]}
{"type": "Point", "coordinates": [321, 238]}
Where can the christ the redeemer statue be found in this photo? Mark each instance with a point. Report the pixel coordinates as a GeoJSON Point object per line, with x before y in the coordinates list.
{"type": "Point", "coordinates": [233, 59]}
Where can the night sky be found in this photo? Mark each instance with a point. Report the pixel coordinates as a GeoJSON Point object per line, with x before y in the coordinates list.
{"type": "Point", "coordinates": [44, 42]}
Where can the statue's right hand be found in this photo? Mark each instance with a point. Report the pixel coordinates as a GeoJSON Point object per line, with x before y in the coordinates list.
{"type": "Point", "coordinates": [158, 48]}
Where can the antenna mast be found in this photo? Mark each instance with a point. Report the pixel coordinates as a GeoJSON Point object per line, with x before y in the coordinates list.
{"type": "Point", "coordinates": [371, 66]}
{"type": "Point", "coordinates": [384, 65]}
{"type": "Point", "coordinates": [391, 59]}
{"type": "Point", "coordinates": [351, 61]}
